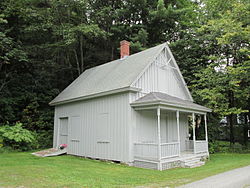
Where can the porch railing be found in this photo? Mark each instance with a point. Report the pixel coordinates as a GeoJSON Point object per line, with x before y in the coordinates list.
{"type": "Point", "coordinates": [170, 149]}
{"type": "Point", "coordinates": [150, 150]}
{"type": "Point", "coordinates": [201, 146]}
{"type": "Point", "coordinates": [189, 145]}
{"type": "Point", "coordinates": [146, 150]}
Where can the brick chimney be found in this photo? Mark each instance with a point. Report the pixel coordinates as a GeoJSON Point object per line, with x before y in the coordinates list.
{"type": "Point", "coordinates": [124, 48]}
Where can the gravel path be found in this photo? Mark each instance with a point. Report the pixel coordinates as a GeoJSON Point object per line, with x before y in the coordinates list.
{"type": "Point", "coordinates": [237, 178]}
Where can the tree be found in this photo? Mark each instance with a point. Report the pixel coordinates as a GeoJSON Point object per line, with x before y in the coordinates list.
{"type": "Point", "coordinates": [45, 45]}
{"type": "Point", "coordinates": [224, 84]}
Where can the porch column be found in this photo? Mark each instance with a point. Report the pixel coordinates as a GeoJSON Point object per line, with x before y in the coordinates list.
{"type": "Point", "coordinates": [159, 136]}
{"type": "Point", "coordinates": [193, 118]}
{"type": "Point", "coordinates": [205, 119]}
{"type": "Point", "coordinates": [178, 130]}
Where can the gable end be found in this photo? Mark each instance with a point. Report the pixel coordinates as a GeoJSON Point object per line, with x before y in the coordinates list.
{"type": "Point", "coordinates": [162, 75]}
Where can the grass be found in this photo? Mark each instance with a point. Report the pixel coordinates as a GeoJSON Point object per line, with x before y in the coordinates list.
{"type": "Point", "coordinates": [26, 170]}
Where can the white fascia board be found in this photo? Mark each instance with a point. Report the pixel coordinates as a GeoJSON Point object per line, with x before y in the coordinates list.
{"type": "Point", "coordinates": [120, 90]}
{"type": "Point", "coordinates": [169, 106]}
{"type": "Point", "coordinates": [178, 69]}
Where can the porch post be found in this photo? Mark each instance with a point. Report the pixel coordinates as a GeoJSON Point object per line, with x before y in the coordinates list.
{"type": "Point", "coordinates": [159, 136]}
{"type": "Point", "coordinates": [205, 119]}
{"type": "Point", "coordinates": [178, 130]}
{"type": "Point", "coordinates": [193, 118]}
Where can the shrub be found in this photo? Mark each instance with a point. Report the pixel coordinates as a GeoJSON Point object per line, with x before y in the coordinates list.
{"type": "Point", "coordinates": [224, 147]}
{"type": "Point", "coordinates": [44, 138]}
{"type": "Point", "coordinates": [17, 137]}
{"type": "Point", "coordinates": [6, 149]}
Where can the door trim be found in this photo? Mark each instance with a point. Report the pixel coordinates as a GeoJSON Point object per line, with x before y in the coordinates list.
{"type": "Point", "coordinates": [58, 129]}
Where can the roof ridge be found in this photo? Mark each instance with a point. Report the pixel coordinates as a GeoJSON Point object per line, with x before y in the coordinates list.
{"type": "Point", "coordinates": [109, 76]}
{"type": "Point", "coordinates": [118, 60]}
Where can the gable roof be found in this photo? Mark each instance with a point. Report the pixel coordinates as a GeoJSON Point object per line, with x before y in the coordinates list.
{"type": "Point", "coordinates": [115, 75]}
{"type": "Point", "coordinates": [177, 72]}
{"type": "Point", "coordinates": [162, 98]}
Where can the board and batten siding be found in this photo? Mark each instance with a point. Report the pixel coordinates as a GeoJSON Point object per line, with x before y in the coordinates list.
{"type": "Point", "coordinates": [161, 76]}
{"type": "Point", "coordinates": [98, 128]}
{"type": "Point", "coordinates": [146, 127]}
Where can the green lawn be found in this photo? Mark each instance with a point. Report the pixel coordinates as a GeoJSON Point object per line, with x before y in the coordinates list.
{"type": "Point", "coordinates": [24, 169]}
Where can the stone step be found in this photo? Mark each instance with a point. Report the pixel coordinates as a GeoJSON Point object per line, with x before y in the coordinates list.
{"type": "Point", "coordinates": [193, 165]}
{"type": "Point", "coordinates": [192, 159]}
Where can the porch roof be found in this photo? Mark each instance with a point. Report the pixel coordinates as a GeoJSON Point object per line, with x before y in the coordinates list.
{"type": "Point", "coordinates": [158, 98]}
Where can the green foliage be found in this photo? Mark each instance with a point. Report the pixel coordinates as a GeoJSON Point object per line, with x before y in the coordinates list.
{"type": "Point", "coordinates": [45, 45]}
{"type": "Point", "coordinates": [139, 41]}
{"type": "Point", "coordinates": [44, 139]}
{"type": "Point", "coordinates": [224, 84]}
{"type": "Point", "coordinates": [16, 137]}
{"type": "Point", "coordinates": [226, 147]}
{"type": "Point", "coordinates": [6, 149]}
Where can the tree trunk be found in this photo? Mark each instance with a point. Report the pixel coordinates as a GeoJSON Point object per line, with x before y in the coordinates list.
{"type": "Point", "coordinates": [231, 128]}
{"type": "Point", "coordinates": [81, 53]}
{"type": "Point", "coordinates": [245, 129]}
{"type": "Point", "coordinates": [70, 66]}
{"type": "Point", "coordinates": [231, 117]}
{"type": "Point", "coordinates": [77, 62]}
{"type": "Point", "coordinates": [5, 81]}
{"type": "Point", "coordinates": [1, 65]}
{"type": "Point", "coordinates": [112, 53]}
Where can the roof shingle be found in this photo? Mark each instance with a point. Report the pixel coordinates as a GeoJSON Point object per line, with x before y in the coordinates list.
{"type": "Point", "coordinates": [110, 76]}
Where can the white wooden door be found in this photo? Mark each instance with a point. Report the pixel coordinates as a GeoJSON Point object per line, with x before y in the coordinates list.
{"type": "Point", "coordinates": [63, 131]}
{"type": "Point", "coordinates": [75, 135]}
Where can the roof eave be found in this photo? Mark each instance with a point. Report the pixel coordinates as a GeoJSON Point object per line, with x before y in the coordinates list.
{"type": "Point", "coordinates": [115, 91]}
{"type": "Point", "coordinates": [158, 102]}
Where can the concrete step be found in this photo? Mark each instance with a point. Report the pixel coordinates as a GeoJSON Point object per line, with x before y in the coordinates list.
{"type": "Point", "coordinates": [193, 165]}
{"type": "Point", "coordinates": [193, 162]}
{"type": "Point", "coordinates": [192, 159]}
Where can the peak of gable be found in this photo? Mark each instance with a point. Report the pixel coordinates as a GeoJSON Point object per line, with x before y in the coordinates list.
{"type": "Point", "coordinates": [162, 75]}
{"type": "Point", "coordinates": [110, 76]}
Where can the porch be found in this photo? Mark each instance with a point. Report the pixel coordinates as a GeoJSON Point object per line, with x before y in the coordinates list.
{"type": "Point", "coordinates": [150, 151]}
{"type": "Point", "coordinates": [166, 136]}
